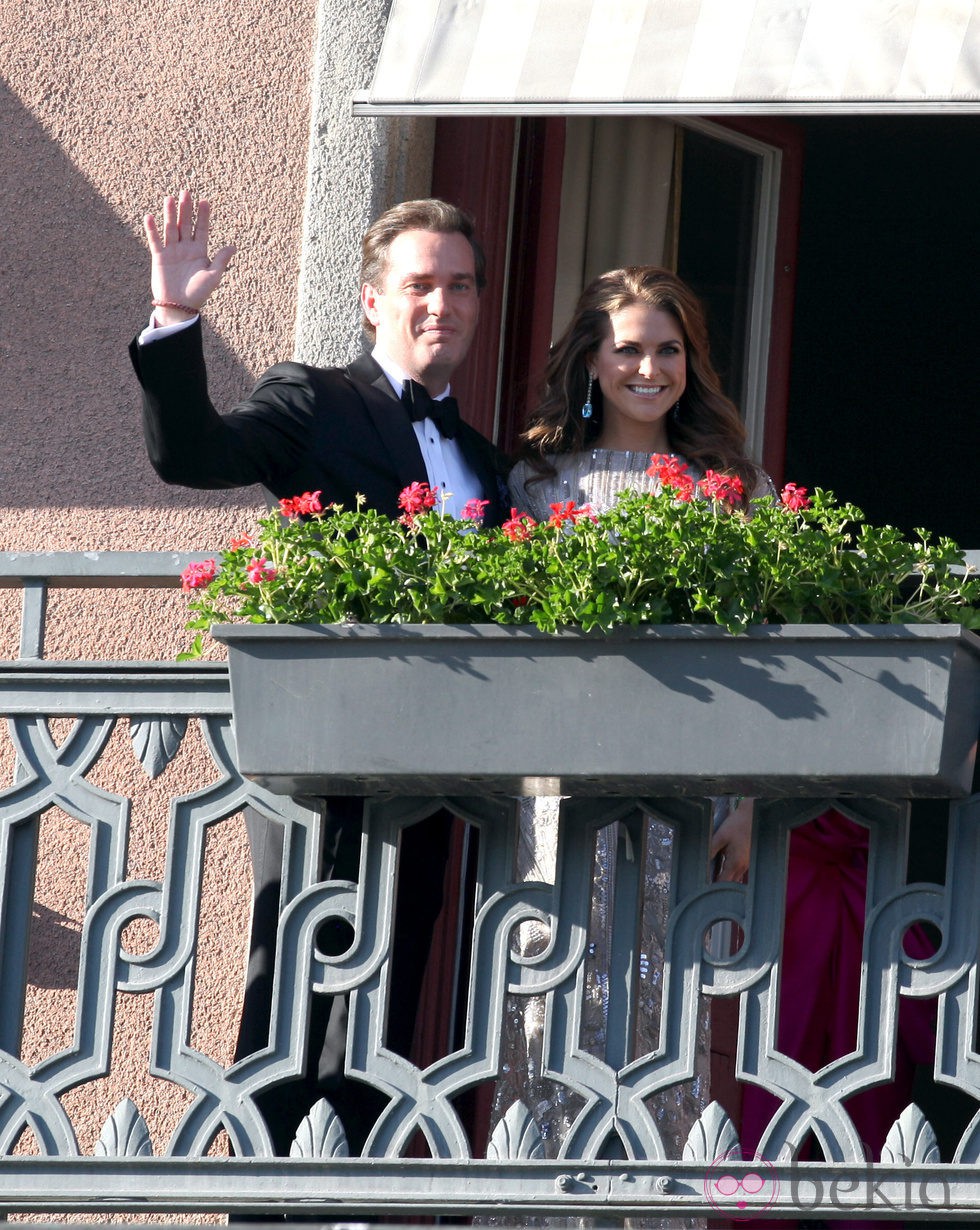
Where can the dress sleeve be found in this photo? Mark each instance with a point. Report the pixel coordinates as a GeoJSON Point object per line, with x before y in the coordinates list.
{"type": "Point", "coordinates": [516, 481]}
{"type": "Point", "coordinates": [764, 488]}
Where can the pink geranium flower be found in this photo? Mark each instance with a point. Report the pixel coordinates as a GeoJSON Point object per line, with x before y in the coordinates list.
{"type": "Point", "coordinates": [416, 498]}
{"type": "Point", "coordinates": [474, 510]}
{"type": "Point", "coordinates": [259, 570]}
{"type": "Point", "coordinates": [198, 575]}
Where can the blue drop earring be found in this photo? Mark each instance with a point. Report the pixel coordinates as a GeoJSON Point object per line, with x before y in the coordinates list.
{"type": "Point", "coordinates": [587, 406]}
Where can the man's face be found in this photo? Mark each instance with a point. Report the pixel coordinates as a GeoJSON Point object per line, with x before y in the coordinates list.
{"type": "Point", "coordinates": [426, 308]}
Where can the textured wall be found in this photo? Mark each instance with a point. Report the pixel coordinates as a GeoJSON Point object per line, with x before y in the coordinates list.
{"type": "Point", "coordinates": [105, 105]}
{"type": "Point", "coordinates": [358, 167]}
{"type": "Point", "coordinates": [104, 108]}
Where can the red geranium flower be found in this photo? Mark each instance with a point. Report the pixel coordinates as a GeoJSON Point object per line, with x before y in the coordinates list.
{"type": "Point", "coordinates": [794, 498]}
{"type": "Point", "coordinates": [301, 505]}
{"type": "Point", "coordinates": [568, 512]}
{"type": "Point", "coordinates": [726, 488]}
{"type": "Point", "coordinates": [666, 466]}
{"type": "Point", "coordinates": [673, 473]}
{"type": "Point", "coordinates": [519, 526]}
{"type": "Point", "coordinates": [309, 502]}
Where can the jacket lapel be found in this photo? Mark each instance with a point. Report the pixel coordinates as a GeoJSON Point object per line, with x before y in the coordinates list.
{"type": "Point", "coordinates": [392, 424]}
{"type": "Point", "coordinates": [394, 427]}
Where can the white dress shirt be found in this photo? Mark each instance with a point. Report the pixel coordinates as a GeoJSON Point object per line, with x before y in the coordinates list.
{"type": "Point", "coordinates": [445, 464]}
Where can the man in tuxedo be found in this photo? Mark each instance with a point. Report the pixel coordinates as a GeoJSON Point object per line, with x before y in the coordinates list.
{"type": "Point", "coordinates": [341, 431]}
{"type": "Point", "coordinates": [371, 428]}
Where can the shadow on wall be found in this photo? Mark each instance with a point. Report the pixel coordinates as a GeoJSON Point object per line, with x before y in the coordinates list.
{"type": "Point", "coordinates": [73, 290]}
{"type": "Point", "coordinates": [56, 945]}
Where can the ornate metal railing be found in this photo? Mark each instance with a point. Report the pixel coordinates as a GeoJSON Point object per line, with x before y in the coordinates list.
{"type": "Point", "coordinates": [582, 1007]}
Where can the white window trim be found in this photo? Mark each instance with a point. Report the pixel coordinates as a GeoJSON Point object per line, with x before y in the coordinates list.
{"type": "Point", "coordinates": [762, 276]}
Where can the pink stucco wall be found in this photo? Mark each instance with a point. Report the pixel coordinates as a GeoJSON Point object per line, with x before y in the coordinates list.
{"type": "Point", "coordinates": [105, 105]}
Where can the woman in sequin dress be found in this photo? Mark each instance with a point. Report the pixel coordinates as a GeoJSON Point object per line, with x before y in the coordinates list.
{"type": "Point", "coordinates": [629, 377]}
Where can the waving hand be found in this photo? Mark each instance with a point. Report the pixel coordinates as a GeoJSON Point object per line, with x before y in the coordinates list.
{"type": "Point", "coordinates": [183, 276]}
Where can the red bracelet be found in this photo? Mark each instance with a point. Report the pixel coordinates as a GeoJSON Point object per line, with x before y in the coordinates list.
{"type": "Point", "coordinates": [181, 307]}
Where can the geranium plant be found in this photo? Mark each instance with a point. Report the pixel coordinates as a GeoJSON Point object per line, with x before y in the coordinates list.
{"type": "Point", "coordinates": [692, 553]}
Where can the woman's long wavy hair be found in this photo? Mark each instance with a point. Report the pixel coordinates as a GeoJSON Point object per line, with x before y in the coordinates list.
{"type": "Point", "coordinates": [707, 429]}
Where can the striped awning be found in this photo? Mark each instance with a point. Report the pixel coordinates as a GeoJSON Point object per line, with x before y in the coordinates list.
{"type": "Point", "coordinates": [520, 57]}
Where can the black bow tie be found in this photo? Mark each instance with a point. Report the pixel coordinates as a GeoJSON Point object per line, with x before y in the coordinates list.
{"type": "Point", "coordinates": [444, 412]}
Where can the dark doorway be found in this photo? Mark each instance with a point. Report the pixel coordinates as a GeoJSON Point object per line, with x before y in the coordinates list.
{"type": "Point", "coordinates": [885, 388]}
{"type": "Point", "coordinates": [884, 404]}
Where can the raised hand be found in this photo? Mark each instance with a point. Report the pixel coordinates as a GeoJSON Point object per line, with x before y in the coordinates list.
{"type": "Point", "coordinates": [182, 273]}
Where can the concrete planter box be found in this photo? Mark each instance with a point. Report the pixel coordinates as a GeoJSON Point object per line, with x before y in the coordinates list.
{"type": "Point", "coordinates": [803, 710]}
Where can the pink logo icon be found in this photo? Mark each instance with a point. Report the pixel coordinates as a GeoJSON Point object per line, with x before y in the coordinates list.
{"type": "Point", "coordinates": [740, 1196]}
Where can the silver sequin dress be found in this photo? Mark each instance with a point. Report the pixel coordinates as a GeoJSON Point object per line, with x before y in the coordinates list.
{"type": "Point", "coordinates": [596, 478]}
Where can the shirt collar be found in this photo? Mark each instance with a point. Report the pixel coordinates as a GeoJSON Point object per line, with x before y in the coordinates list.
{"type": "Point", "coordinates": [396, 375]}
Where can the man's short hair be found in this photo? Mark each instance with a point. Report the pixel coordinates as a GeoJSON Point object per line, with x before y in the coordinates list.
{"type": "Point", "coordinates": [425, 215]}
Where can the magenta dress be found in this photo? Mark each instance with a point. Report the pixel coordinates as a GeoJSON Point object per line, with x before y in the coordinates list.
{"type": "Point", "coordinates": [821, 983]}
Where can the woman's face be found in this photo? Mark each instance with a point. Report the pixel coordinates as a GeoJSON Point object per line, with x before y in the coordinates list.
{"type": "Point", "coordinates": [641, 367]}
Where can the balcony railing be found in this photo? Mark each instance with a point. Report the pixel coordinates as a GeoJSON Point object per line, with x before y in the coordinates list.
{"type": "Point", "coordinates": [576, 1052]}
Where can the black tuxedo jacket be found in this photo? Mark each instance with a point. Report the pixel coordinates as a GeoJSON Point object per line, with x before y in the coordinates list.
{"type": "Point", "coordinates": [341, 431]}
